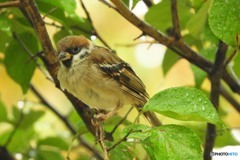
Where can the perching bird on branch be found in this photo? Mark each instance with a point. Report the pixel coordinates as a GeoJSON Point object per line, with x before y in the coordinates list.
{"type": "Point", "coordinates": [99, 78]}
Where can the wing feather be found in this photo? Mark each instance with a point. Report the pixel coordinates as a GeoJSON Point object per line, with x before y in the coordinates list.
{"type": "Point", "coordinates": [120, 71]}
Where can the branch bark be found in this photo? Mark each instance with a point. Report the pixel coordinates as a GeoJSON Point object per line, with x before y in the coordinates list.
{"type": "Point", "coordinates": [215, 77]}
{"type": "Point", "coordinates": [183, 49]}
{"type": "Point", "coordinates": [94, 29]}
{"type": "Point", "coordinates": [230, 99]}
{"type": "Point", "coordinates": [29, 8]}
{"type": "Point", "coordinates": [10, 4]}
{"type": "Point", "coordinates": [146, 28]}
{"type": "Point", "coordinates": [175, 20]}
{"type": "Point", "coordinates": [67, 124]}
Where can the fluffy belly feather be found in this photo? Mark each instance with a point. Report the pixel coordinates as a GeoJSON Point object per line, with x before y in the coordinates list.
{"type": "Point", "coordinates": [97, 93]}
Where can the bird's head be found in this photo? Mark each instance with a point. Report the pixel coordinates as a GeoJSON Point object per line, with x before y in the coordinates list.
{"type": "Point", "coordinates": [72, 47]}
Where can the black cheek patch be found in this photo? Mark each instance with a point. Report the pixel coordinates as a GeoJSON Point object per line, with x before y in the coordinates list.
{"type": "Point", "coordinates": [67, 63]}
{"type": "Point", "coordinates": [83, 55]}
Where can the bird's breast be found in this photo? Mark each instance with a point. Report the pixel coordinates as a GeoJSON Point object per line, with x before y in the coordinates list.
{"type": "Point", "coordinates": [87, 84]}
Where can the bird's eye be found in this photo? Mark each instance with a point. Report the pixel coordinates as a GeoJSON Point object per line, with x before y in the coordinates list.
{"type": "Point", "coordinates": [75, 50]}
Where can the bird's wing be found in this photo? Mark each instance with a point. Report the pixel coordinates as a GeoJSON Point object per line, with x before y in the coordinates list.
{"type": "Point", "coordinates": [120, 71]}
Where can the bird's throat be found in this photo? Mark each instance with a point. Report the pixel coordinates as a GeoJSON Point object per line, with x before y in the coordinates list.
{"type": "Point", "coordinates": [67, 63]}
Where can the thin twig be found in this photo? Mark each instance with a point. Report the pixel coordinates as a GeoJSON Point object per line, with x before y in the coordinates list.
{"type": "Point", "coordinates": [230, 98]}
{"type": "Point", "coordinates": [229, 59]}
{"type": "Point", "coordinates": [94, 29]}
{"type": "Point", "coordinates": [120, 141]}
{"type": "Point", "coordinates": [183, 49]}
{"type": "Point", "coordinates": [142, 34]}
{"type": "Point", "coordinates": [54, 24]}
{"type": "Point", "coordinates": [122, 120]}
{"type": "Point", "coordinates": [175, 20]}
{"type": "Point", "coordinates": [33, 57]}
{"type": "Point", "coordinates": [16, 127]}
{"type": "Point", "coordinates": [77, 27]}
{"type": "Point", "coordinates": [50, 11]}
{"type": "Point", "coordinates": [102, 142]}
{"type": "Point", "coordinates": [66, 122]}
{"type": "Point", "coordinates": [10, 4]}
{"type": "Point", "coordinates": [108, 4]}
{"type": "Point", "coordinates": [146, 28]}
{"type": "Point", "coordinates": [123, 139]}
{"type": "Point", "coordinates": [137, 43]}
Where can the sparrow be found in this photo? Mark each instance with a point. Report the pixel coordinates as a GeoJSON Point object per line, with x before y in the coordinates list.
{"type": "Point", "coordinates": [99, 78]}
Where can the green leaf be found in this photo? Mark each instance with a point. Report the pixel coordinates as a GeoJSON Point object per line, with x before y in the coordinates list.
{"type": "Point", "coordinates": [30, 118]}
{"type": "Point", "coordinates": [5, 22]}
{"type": "Point", "coordinates": [21, 21]}
{"type": "Point", "coordinates": [199, 76]}
{"type": "Point", "coordinates": [69, 6]}
{"type": "Point", "coordinates": [112, 121]}
{"type": "Point", "coordinates": [3, 112]}
{"type": "Point", "coordinates": [183, 103]}
{"type": "Point", "coordinates": [138, 131]}
{"type": "Point", "coordinates": [21, 140]}
{"type": "Point", "coordinates": [54, 142]}
{"type": "Point", "coordinates": [134, 4]}
{"type": "Point", "coordinates": [56, 15]}
{"type": "Point", "coordinates": [170, 58]}
{"type": "Point", "coordinates": [130, 4]}
{"type": "Point", "coordinates": [224, 20]}
{"type": "Point", "coordinates": [126, 2]}
{"type": "Point", "coordinates": [225, 138]}
{"type": "Point", "coordinates": [16, 60]}
{"type": "Point", "coordinates": [46, 154]}
{"type": "Point", "coordinates": [160, 15]}
{"type": "Point", "coordinates": [16, 115]}
{"type": "Point", "coordinates": [71, 23]}
{"type": "Point", "coordinates": [4, 41]}
{"type": "Point", "coordinates": [196, 24]}
{"type": "Point", "coordinates": [122, 152]}
{"type": "Point", "coordinates": [77, 123]}
{"type": "Point", "coordinates": [166, 142]}
{"type": "Point", "coordinates": [59, 35]}
{"type": "Point", "coordinates": [4, 134]}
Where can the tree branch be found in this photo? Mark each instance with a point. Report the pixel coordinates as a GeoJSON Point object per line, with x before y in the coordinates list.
{"type": "Point", "coordinates": [146, 28]}
{"type": "Point", "coordinates": [230, 98]}
{"type": "Point", "coordinates": [175, 20]}
{"type": "Point", "coordinates": [183, 49]}
{"type": "Point", "coordinates": [4, 154]}
{"type": "Point", "coordinates": [32, 57]}
{"type": "Point", "coordinates": [94, 29]}
{"type": "Point", "coordinates": [66, 123]}
{"type": "Point", "coordinates": [16, 127]}
{"type": "Point", "coordinates": [215, 77]}
{"type": "Point", "coordinates": [148, 3]}
{"type": "Point", "coordinates": [10, 4]}
{"type": "Point", "coordinates": [29, 8]}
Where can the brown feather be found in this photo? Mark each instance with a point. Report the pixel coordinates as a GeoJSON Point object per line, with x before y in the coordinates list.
{"type": "Point", "coordinates": [121, 72]}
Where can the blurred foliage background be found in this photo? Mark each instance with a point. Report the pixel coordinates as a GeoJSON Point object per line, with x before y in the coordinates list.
{"type": "Point", "coordinates": [40, 134]}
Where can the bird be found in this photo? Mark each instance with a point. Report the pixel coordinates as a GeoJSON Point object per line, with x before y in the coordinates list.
{"type": "Point", "coordinates": [99, 78]}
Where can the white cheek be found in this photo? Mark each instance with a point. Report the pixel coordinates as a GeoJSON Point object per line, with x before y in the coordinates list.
{"type": "Point", "coordinates": [80, 56]}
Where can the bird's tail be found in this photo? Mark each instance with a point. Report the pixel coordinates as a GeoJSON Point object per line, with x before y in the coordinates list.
{"type": "Point", "coordinates": [150, 116]}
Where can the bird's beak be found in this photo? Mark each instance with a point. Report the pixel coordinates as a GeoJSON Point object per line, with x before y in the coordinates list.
{"type": "Point", "coordinates": [63, 56]}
